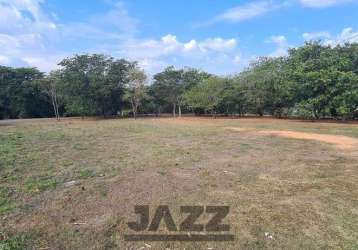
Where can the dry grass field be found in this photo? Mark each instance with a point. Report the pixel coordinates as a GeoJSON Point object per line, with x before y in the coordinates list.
{"type": "Point", "coordinates": [73, 184]}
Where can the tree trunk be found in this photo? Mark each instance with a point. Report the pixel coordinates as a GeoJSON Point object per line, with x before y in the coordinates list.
{"type": "Point", "coordinates": [103, 111]}
{"type": "Point", "coordinates": [179, 110]}
{"type": "Point", "coordinates": [55, 105]}
{"type": "Point", "coordinates": [159, 111]}
{"type": "Point", "coordinates": [174, 107]}
{"type": "Point", "coordinates": [134, 109]}
{"type": "Point", "coordinates": [315, 113]}
{"type": "Point", "coordinates": [56, 108]}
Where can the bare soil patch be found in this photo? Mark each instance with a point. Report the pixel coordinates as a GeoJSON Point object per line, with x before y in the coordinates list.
{"type": "Point", "coordinates": [340, 141]}
{"type": "Point", "coordinates": [240, 129]}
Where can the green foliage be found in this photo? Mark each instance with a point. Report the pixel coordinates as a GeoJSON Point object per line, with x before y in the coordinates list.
{"type": "Point", "coordinates": [313, 81]}
{"type": "Point", "coordinates": [234, 97]}
{"type": "Point", "coordinates": [304, 110]}
{"type": "Point", "coordinates": [20, 96]}
{"type": "Point", "coordinates": [169, 86]}
{"type": "Point", "coordinates": [94, 84]}
{"type": "Point", "coordinates": [267, 89]}
{"type": "Point", "coordinates": [206, 95]}
{"type": "Point", "coordinates": [325, 79]}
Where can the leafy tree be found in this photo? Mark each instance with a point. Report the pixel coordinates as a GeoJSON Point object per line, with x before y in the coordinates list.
{"type": "Point", "coordinates": [94, 83]}
{"type": "Point", "coordinates": [50, 86]}
{"type": "Point", "coordinates": [206, 95]}
{"type": "Point", "coordinates": [325, 79]}
{"type": "Point", "coordinates": [234, 98]}
{"type": "Point", "coordinates": [168, 86]}
{"type": "Point", "coordinates": [6, 75]}
{"type": "Point", "coordinates": [117, 76]}
{"type": "Point", "coordinates": [267, 88]}
{"type": "Point", "coordinates": [190, 78]}
{"type": "Point", "coordinates": [154, 102]}
{"type": "Point", "coordinates": [135, 90]}
{"type": "Point", "coordinates": [307, 69]}
{"type": "Point", "coordinates": [20, 96]}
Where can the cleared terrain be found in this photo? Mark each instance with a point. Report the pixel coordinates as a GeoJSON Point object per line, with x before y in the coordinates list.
{"type": "Point", "coordinates": [73, 184]}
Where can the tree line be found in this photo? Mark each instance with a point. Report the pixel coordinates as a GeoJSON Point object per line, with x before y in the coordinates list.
{"type": "Point", "coordinates": [312, 81]}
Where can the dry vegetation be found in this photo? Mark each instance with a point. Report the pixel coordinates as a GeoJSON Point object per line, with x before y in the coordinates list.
{"type": "Point", "coordinates": [73, 184]}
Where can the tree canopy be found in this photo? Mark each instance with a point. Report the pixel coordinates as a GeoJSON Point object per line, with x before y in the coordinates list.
{"type": "Point", "coordinates": [312, 81]}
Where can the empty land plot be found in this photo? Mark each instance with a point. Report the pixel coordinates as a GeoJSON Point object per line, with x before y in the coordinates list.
{"type": "Point", "coordinates": [73, 184]}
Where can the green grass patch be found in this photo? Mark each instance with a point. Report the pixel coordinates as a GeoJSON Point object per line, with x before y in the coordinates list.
{"type": "Point", "coordinates": [21, 241]}
{"type": "Point", "coordinates": [18, 242]}
{"type": "Point", "coordinates": [6, 205]}
{"type": "Point", "coordinates": [9, 145]}
{"type": "Point", "coordinates": [85, 173]}
{"type": "Point", "coordinates": [39, 184]}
